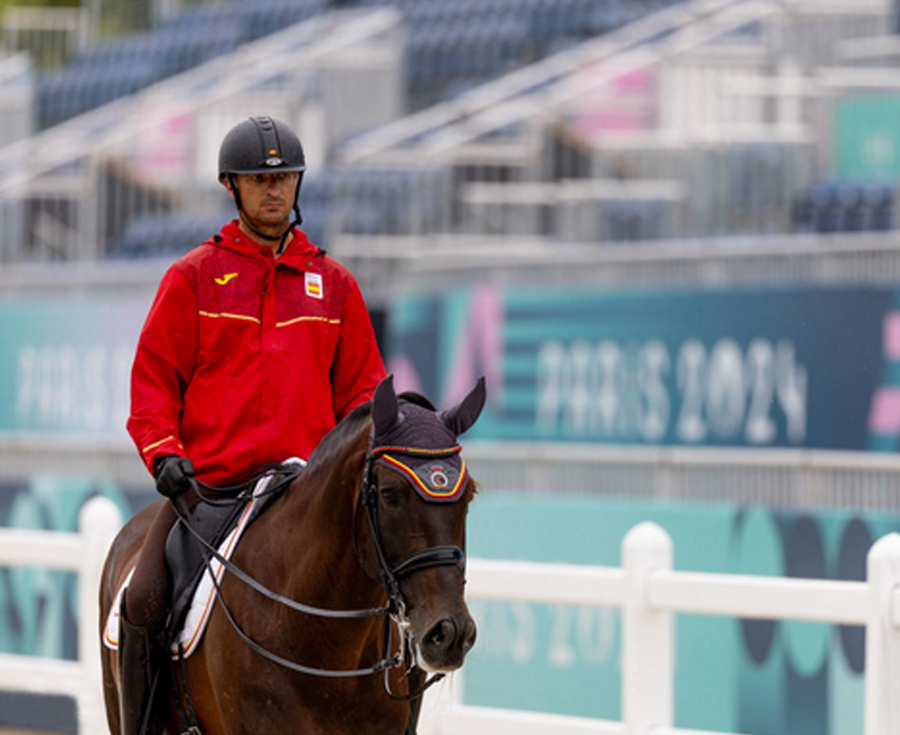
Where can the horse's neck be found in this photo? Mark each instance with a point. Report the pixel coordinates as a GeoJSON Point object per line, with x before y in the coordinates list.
{"type": "Point", "coordinates": [317, 521]}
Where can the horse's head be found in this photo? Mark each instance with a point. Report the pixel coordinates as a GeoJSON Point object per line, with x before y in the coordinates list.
{"type": "Point", "coordinates": [416, 493]}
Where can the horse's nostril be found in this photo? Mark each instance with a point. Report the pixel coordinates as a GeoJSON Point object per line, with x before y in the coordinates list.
{"type": "Point", "coordinates": [470, 632]}
{"type": "Point", "coordinates": [442, 634]}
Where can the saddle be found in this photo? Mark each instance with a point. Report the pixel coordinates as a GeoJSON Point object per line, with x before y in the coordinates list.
{"type": "Point", "coordinates": [205, 527]}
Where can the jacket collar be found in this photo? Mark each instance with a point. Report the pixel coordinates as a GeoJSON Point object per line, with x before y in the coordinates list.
{"type": "Point", "coordinates": [296, 255]}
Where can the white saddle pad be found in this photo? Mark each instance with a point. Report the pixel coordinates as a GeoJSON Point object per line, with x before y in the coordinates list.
{"type": "Point", "coordinates": [205, 596]}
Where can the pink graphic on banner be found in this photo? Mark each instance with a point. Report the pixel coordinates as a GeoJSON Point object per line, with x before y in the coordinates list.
{"type": "Point", "coordinates": [406, 377]}
{"type": "Point", "coordinates": [627, 103]}
{"type": "Point", "coordinates": [884, 417]}
{"type": "Point", "coordinates": [892, 335]}
{"type": "Point", "coordinates": [479, 348]}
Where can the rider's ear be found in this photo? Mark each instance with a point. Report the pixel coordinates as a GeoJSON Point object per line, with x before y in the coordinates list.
{"type": "Point", "coordinates": [384, 406]}
{"type": "Point", "coordinates": [460, 418]}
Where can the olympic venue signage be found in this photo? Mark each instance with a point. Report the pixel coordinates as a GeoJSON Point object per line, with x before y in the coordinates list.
{"type": "Point", "coordinates": [804, 368]}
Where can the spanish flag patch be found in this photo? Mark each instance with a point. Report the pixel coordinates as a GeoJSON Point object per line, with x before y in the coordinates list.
{"type": "Point", "coordinates": [314, 285]}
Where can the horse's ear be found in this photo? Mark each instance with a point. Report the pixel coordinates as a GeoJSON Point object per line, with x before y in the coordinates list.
{"type": "Point", "coordinates": [461, 417]}
{"type": "Point", "coordinates": [384, 406]}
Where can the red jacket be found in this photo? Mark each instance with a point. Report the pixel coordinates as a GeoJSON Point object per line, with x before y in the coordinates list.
{"type": "Point", "coordinates": [245, 360]}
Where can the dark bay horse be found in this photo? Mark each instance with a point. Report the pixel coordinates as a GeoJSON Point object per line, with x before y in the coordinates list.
{"type": "Point", "coordinates": [374, 525]}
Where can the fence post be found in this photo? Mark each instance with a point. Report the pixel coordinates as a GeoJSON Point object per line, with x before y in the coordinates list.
{"type": "Point", "coordinates": [98, 523]}
{"type": "Point", "coordinates": [882, 705]}
{"type": "Point", "coordinates": [647, 647]}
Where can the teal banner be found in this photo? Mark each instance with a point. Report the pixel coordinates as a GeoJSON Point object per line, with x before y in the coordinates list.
{"type": "Point", "coordinates": [65, 362]}
{"type": "Point", "coordinates": [816, 368]}
{"type": "Point", "coordinates": [866, 147]}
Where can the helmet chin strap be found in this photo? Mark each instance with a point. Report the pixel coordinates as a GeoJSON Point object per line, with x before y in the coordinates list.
{"type": "Point", "coordinates": [282, 238]}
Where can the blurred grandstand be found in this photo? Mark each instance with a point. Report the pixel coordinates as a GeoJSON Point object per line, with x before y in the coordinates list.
{"type": "Point", "coordinates": [559, 121]}
{"type": "Point", "coordinates": [614, 142]}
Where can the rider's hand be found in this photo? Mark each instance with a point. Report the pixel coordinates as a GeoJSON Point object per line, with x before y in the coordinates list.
{"type": "Point", "coordinates": [174, 475]}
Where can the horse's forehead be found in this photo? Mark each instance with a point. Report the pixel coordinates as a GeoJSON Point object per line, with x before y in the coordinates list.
{"type": "Point", "coordinates": [418, 427]}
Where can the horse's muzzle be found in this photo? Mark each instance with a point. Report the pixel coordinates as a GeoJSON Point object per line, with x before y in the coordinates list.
{"type": "Point", "coordinates": [444, 646]}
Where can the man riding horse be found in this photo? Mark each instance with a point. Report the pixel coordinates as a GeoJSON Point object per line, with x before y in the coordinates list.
{"type": "Point", "coordinates": [256, 345]}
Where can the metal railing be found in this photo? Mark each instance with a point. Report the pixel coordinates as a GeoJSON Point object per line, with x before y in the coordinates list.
{"type": "Point", "coordinates": [731, 105]}
{"type": "Point", "coordinates": [442, 260]}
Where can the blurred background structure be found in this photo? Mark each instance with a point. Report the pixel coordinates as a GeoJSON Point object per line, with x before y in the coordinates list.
{"type": "Point", "coordinates": [665, 230]}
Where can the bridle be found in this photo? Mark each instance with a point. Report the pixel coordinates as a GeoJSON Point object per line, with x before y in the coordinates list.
{"type": "Point", "coordinates": [433, 556]}
{"type": "Point", "coordinates": [390, 574]}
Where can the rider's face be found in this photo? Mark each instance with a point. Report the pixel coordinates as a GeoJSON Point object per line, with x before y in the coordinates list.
{"type": "Point", "coordinates": [266, 199]}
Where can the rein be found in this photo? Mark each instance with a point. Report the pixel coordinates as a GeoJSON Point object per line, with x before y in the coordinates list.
{"type": "Point", "coordinates": [390, 578]}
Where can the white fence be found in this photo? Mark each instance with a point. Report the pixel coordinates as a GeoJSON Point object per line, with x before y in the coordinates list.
{"type": "Point", "coordinates": [81, 552]}
{"type": "Point", "coordinates": [648, 591]}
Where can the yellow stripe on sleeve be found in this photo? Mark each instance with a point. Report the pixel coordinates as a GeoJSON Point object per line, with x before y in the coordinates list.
{"type": "Point", "coordinates": [153, 446]}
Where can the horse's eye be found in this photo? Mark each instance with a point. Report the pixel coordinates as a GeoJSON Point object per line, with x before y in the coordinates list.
{"type": "Point", "coordinates": [390, 495]}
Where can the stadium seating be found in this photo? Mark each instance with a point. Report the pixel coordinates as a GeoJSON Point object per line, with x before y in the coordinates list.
{"type": "Point", "coordinates": [831, 207]}
{"type": "Point", "coordinates": [451, 47]}
{"type": "Point", "coordinates": [165, 233]}
{"type": "Point", "coordinates": [450, 44]}
{"type": "Point", "coordinates": [371, 202]}
{"type": "Point", "coordinates": [125, 65]}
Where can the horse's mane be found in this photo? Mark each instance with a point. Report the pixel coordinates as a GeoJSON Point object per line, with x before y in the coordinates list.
{"type": "Point", "coordinates": [336, 441]}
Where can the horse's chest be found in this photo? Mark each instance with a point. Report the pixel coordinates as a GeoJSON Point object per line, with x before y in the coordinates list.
{"type": "Point", "coordinates": [324, 710]}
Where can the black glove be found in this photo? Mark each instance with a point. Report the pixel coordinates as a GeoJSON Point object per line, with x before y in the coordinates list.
{"type": "Point", "coordinates": [174, 475]}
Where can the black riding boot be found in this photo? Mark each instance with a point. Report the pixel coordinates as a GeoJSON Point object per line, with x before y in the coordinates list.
{"type": "Point", "coordinates": [141, 652]}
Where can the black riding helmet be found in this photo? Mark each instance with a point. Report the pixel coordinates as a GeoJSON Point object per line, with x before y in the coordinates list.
{"type": "Point", "coordinates": [262, 145]}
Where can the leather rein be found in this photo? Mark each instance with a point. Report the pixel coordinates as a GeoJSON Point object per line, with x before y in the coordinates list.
{"type": "Point", "coordinates": [391, 576]}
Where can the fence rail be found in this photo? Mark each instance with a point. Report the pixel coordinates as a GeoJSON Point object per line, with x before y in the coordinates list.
{"type": "Point", "coordinates": [648, 591]}
{"type": "Point", "coordinates": [83, 553]}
